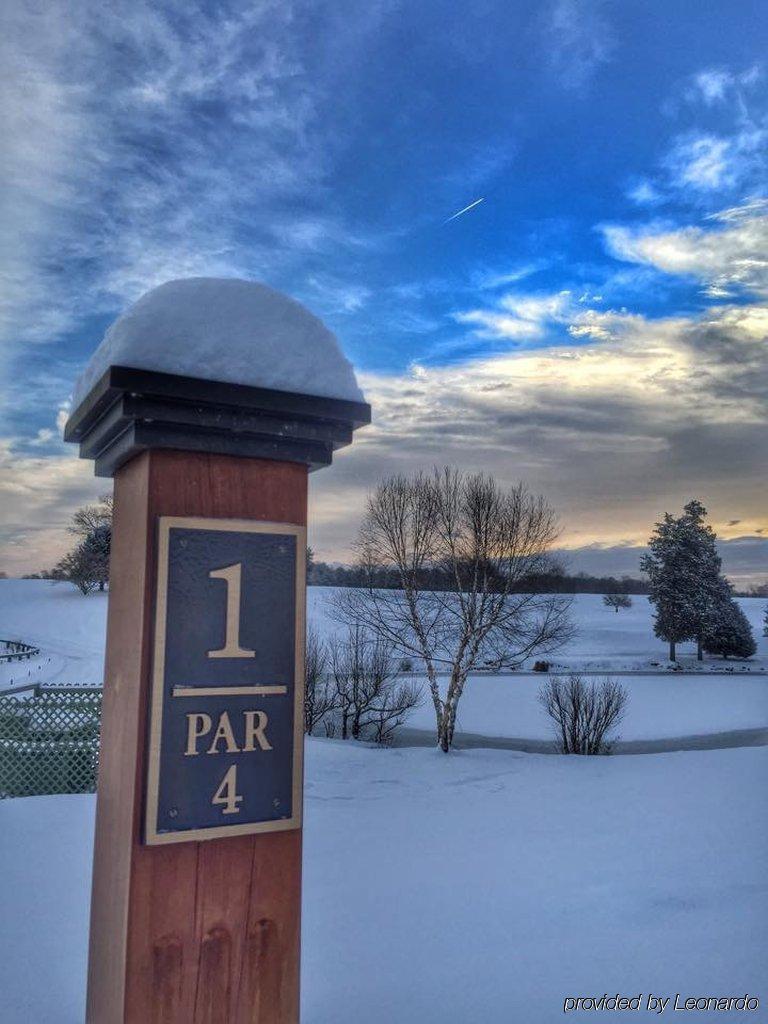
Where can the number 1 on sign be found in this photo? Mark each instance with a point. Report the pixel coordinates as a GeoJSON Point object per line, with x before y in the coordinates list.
{"type": "Point", "coordinates": [226, 795]}
{"type": "Point", "coordinates": [232, 576]}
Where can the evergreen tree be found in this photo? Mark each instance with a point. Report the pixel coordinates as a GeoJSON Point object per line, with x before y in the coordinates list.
{"type": "Point", "coordinates": [94, 551]}
{"type": "Point", "coordinates": [765, 621]}
{"type": "Point", "coordinates": [683, 568]}
{"type": "Point", "coordinates": [87, 566]}
{"type": "Point", "coordinates": [75, 569]}
{"type": "Point", "coordinates": [729, 633]}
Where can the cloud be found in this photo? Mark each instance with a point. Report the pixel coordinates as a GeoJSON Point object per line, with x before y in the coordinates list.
{"type": "Point", "coordinates": [490, 278]}
{"type": "Point", "coordinates": [631, 417]}
{"type": "Point", "coordinates": [644, 193]}
{"type": "Point", "coordinates": [745, 559]}
{"type": "Point", "coordinates": [710, 163]}
{"type": "Point", "coordinates": [577, 41]}
{"type": "Point", "coordinates": [713, 86]}
{"type": "Point", "coordinates": [143, 142]}
{"type": "Point", "coordinates": [722, 157]}
{"type": "Point", "coordinates": [38, 493]}
{"type": "Point", "coordinates": [616, 418]}
{"type": "Point", "coordinates": [727, 257]}
{"type": "Point", "coordinates": [518, 317]}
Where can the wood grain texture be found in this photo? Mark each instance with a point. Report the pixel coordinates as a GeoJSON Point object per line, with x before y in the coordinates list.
{"type": "Point", "coordinates": [199, 932]}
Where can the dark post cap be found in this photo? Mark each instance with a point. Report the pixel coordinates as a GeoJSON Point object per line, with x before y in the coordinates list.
{"type": "Point", "coordinates": [129, 411]}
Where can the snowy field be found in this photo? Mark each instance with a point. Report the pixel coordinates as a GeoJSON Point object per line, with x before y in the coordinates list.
{"type": "Point", "coordinates": [660, 706]}
{"type": "Point", "coordinates": [486, 886]}
{"type": "Point", "coordinates": [69, 629]}
{"type": "Point", "coordinates": [609, 641]}
{"type": "Point", "coordinates": [472, 889]}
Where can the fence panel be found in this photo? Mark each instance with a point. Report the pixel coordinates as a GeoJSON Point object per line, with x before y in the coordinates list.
{"type": "Point", "coordinates": [49, 743]}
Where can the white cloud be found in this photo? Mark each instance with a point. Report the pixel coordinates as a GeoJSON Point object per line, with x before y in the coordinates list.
{"type": "Point", "coordinates": [710, 163]}
{"type": "Point", "coordinates": [644, 193]}
{"type": "Point", "coordinates": [37, 495]}
{"type": "Point", "coordinates": [722, 158]}
{"type": "Point", "coordinates": [43, 437]}
{"type": "Point", "coordinates": [616, 421]}
{"type": "Point", "coordinates": [577, 41]}
{"type": "Point", "coordinates": [634, 419]}
{"type": "Point", "coordinates": [489, 278]}
{"type": "Point", "coordinates": [518, 317]}
{"type": "Point", "coordinates": [140, 142]}
{"type": "Point", "coordinates": [715, 85]}
{"type": "Point", "coordinates": [701, 162]}
{"type": "Point", "coordinates": [729, 256]}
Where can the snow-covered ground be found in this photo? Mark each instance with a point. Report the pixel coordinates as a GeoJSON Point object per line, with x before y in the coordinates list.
{"type": "Point", "coordinates": [609, 641]}
{"type": "Point", "coordinates": [70, 629]}
{"type": "Point", "coordinates": [486, 886]}
{"type": "Point", "coordinates": [660, 706]}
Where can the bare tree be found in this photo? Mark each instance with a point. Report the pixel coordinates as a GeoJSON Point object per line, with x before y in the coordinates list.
{"type": "Point", "coordinates": [319, 695]}
{"type": "Point", "coordinates": [393, 707]}
{"type": "Point", "coordinates": [583, 715]}
{"type": "Point", "coordinates": [90, 517]}
{"type": "Point", "coordinates": [490, 541]}
{"type": "Point", "coordinates": [617, 601]}
{"type": "Point", "coordinates": [370, 701]}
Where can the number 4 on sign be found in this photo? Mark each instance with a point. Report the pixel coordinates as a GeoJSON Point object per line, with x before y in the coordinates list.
{"type": "Point", "coordinates": [226, 795]}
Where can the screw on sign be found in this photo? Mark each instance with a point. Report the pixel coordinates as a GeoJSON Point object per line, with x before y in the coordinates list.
{"type": "Point", "coordinates": [196, 886]}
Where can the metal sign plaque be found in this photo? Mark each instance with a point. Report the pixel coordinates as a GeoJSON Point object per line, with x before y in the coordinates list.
{"type": "Point", "coordinates": [226, 728]}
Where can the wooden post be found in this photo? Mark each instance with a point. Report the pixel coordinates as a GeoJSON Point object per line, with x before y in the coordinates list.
{"type": "Point", "coordinates": [197, 931]}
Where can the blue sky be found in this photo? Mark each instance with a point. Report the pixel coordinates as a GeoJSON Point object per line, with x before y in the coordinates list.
{"type": "Point", "coordinates": [596, 326]}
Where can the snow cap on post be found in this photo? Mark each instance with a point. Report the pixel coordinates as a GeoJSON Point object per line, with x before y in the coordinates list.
{"type": "Point", "coordinates": [217, 365]}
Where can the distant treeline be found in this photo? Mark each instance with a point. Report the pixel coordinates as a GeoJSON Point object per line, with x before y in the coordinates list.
{"type": "Point", "coordinates": [321, 574]}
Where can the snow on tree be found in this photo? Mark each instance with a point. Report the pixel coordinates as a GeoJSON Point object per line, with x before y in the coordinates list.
{"type": "Point", "coordinates": [88, 518]}
{"type": "Point", "coordinates": [489, 541]}
{"type": "Point", "coordinates": [617, 601]}
{"type": "Point", "coordinates": [765, 622]}
{"type": "Point", "coordinates": [87, 565]}
{"type": "Point", "coordinates": [683, 568]}
{"type": "Point", "coordinates": [729, 633]}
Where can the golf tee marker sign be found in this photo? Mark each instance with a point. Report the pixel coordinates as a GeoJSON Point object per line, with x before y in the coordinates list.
{"type": "Point", "coordinates": [196, 897]}
{"type": "Point", "coordinates": [226, 702]}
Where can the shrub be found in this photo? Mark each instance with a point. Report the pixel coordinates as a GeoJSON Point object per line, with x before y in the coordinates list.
{"type": "Point", "coordinates": [371, 702]}
{"type": "Point", "coordinates": [729, 633]}
{"type": "Point", "coordinates": [319, 694]}
{"type": "Point", "coordinates": [583, 714]}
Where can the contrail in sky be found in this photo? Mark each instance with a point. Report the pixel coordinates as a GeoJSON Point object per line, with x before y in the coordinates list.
{"type": "Point", "coordinates": [466, 208]}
